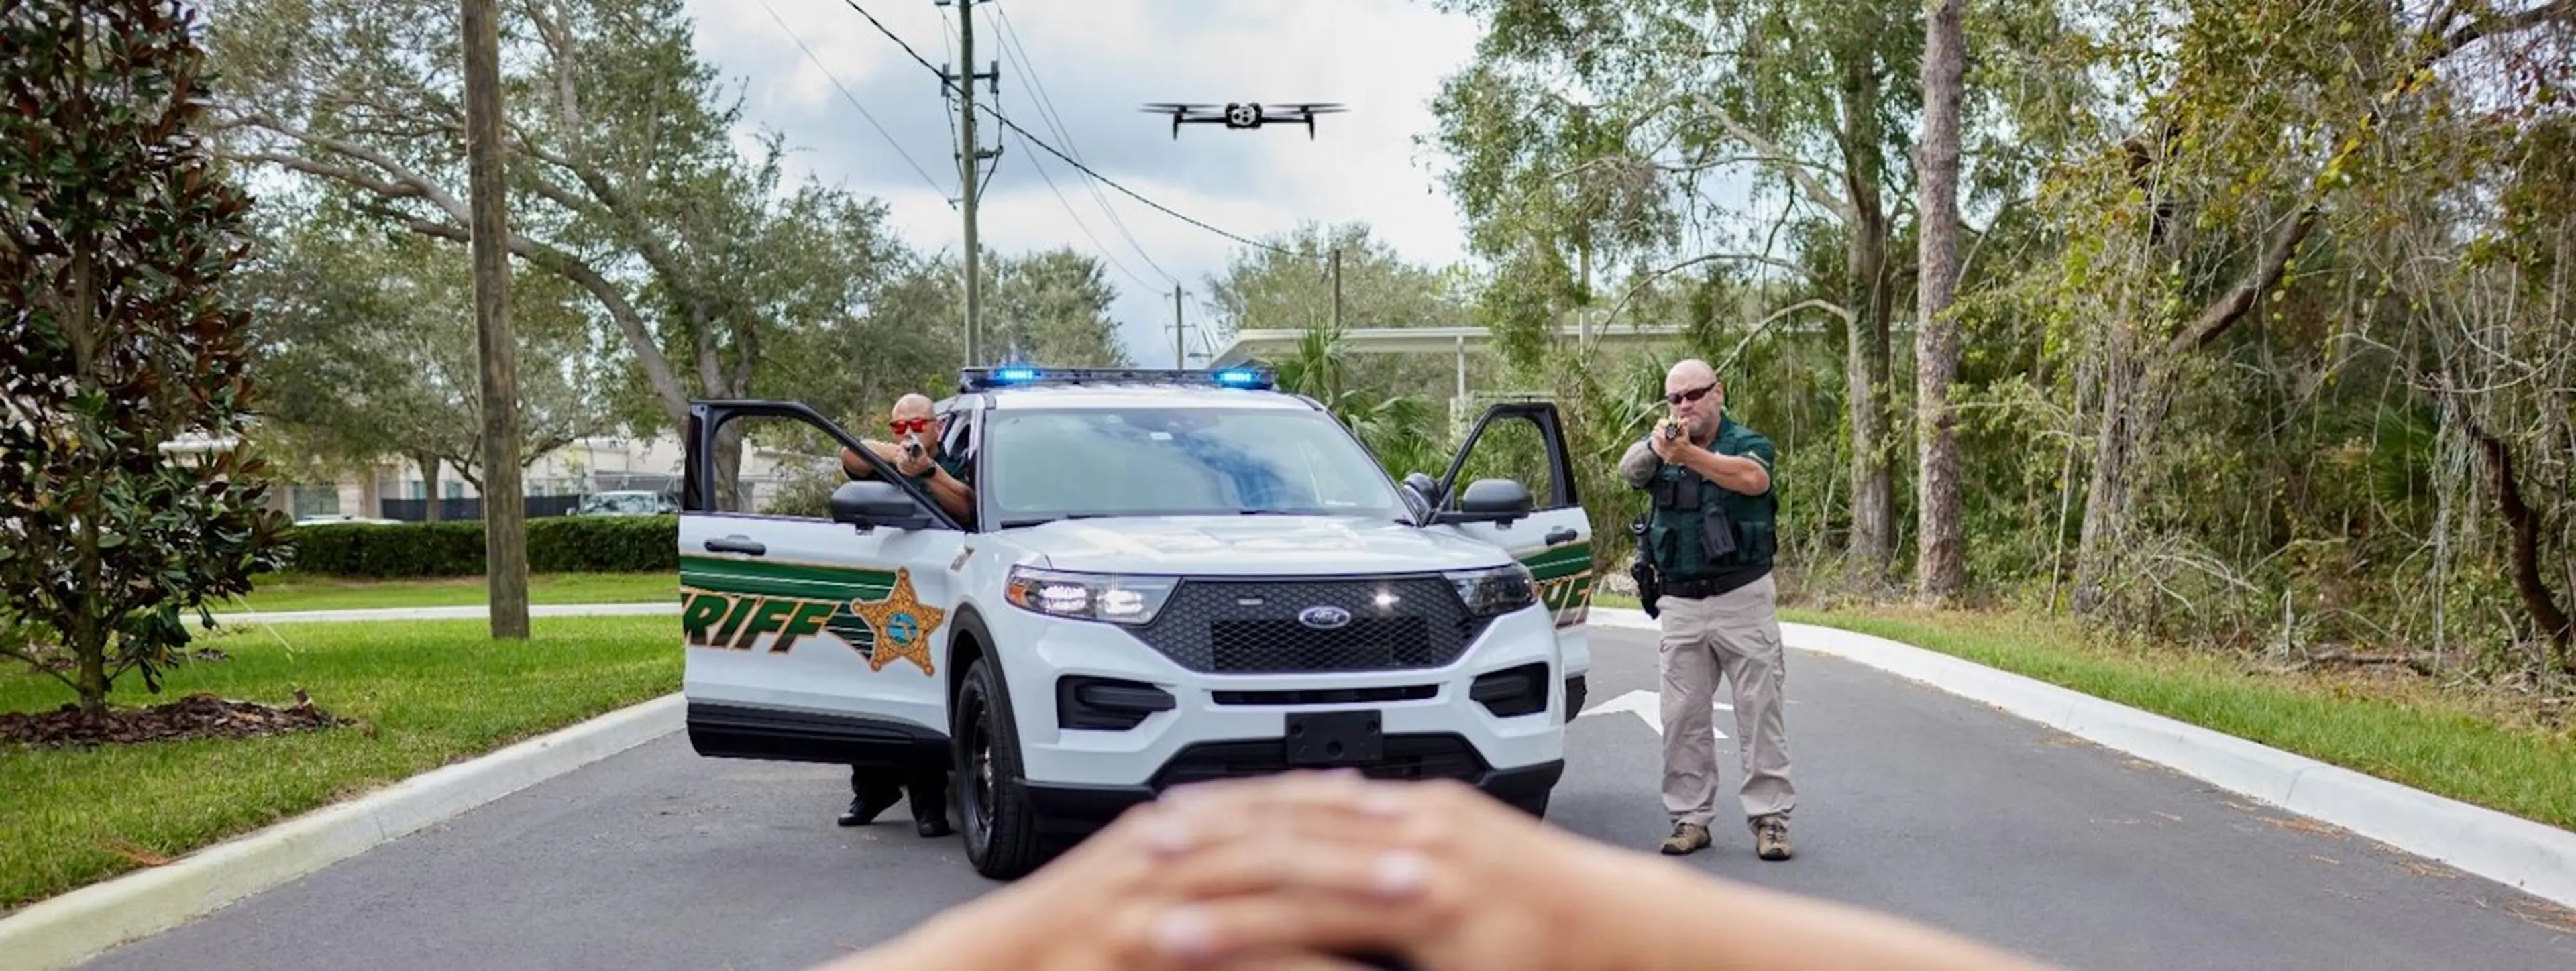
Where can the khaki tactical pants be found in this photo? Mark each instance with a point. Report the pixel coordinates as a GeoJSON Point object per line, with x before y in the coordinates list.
{"type": "Point", "coordinates": [1737, 635]}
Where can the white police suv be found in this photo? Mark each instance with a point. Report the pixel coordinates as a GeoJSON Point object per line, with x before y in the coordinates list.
{"type": "Point", "coordinates": [1164, 577]}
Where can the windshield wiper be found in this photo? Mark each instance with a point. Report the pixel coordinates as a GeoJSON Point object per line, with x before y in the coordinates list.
{"type": "Point", "coordinates": [1043, 520]}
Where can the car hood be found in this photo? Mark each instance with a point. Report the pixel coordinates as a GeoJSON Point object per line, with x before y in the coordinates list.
{"type": "Point", "coordinates": [1251, 545]}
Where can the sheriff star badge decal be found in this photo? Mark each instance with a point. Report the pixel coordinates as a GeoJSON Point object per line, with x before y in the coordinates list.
{"type": "Point", "coordinates": [902, 624]}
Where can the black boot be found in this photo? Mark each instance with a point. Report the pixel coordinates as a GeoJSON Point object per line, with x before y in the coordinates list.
{"type": "Point", "coordinates": [871, 794]}
{"type": "Point", "coordinates": [929, 794]}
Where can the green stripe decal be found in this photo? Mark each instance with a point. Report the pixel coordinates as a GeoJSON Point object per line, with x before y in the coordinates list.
{"type": "Point", "coordinates": [1560, 561]}
{"type": "Point", "coordinates": [784, 579]}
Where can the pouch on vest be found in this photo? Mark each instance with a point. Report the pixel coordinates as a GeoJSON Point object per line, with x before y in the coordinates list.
{"type": "Point", "coordinates": [1716, 533]}
{"type": "Point", "coordinates": [1677, 492]}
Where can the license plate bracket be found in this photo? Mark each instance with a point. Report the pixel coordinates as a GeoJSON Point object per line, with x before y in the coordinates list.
{"type": "Point", "coordinates": [1331, 738]}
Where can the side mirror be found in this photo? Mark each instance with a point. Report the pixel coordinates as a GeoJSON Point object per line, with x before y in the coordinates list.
{"type": "Point", "coordinates": [1426, 487]}
{"type": "Point", "coordinates": [1491, 501]}
{"type": "Point", "coordinates": [870, 503]}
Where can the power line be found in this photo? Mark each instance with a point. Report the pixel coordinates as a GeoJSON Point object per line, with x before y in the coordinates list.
{"type": "Point", "coordinates": [854, 102]}
{"type": "Point", "coordinates": [1105, 252]}
{"type": "Point", "coordinates": [1055, 123]}
{"type": "Point", "coordinates": [1006, 122]}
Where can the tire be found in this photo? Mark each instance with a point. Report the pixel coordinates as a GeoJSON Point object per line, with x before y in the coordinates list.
{"type": "Point", "coordinates": [1000, 827]}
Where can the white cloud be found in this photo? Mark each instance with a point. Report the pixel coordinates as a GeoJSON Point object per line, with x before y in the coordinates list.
{"type": "Point", "coordinates": [1097, 62]}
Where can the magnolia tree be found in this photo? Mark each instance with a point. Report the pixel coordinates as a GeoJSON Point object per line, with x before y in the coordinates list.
{"type": "Point", "coordinates": [117, 342]}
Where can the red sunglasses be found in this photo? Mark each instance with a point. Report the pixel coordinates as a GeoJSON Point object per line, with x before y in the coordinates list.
{"type": "Point", "coordinates": [902, 425]}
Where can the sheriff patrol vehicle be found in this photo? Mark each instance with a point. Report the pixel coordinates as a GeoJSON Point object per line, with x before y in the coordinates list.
{"type": "Point", "coordinates": [1165, 577]}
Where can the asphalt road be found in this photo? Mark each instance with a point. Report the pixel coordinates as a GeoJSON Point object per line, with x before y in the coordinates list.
{"type": "Point", "coordinates": [1911, 801]}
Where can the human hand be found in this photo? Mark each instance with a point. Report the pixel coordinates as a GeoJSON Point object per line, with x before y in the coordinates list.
{"type": "Point", "coordinates": [1144, 893]}
{"type": "Point", "coordinates": [913, 460]}
{"type": "Point", "coordinates": [1463, 881]}
{"type": "Point", "coordinates": [1670, 440]}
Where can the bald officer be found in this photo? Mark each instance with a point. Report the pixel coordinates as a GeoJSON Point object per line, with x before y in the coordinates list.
{"type": "Point", "coordinates": [1711, 535]}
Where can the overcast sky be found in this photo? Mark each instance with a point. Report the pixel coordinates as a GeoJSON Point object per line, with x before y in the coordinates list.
{"type": "Point", "coordinates": [1095, 63]}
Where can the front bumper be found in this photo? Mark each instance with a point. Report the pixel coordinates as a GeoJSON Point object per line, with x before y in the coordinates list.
{"type": "Point", "coordinates": [1211, 725]}
{"type": "Point", "coordinates": [1075, 810]}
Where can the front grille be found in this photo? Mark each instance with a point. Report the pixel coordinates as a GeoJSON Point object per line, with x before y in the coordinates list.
{"type": "Point", "coordinates": [1405, 757]}
{"type": "Point", "coordinates": [1221, 626]}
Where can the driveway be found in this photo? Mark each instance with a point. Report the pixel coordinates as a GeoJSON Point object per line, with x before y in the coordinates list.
{"type": "Point", "coordinates": [1911, 801]}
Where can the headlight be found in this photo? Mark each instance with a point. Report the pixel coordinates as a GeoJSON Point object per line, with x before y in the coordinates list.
{"type": "Point", "coordinates": [1499, 590]}
{"type": "Point", "coordinates": [1088, 596]}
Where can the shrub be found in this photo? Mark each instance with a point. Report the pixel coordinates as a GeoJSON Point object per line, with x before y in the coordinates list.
{"type": "Point", "coordinates": [556, 544]}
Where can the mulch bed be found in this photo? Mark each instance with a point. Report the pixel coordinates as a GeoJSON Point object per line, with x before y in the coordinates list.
{"type": "Point", "coordinates": [195, 716]}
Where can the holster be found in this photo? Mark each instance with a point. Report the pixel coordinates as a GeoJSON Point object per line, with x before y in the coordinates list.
{"type": "Point", "coordinates": [1650, 585]}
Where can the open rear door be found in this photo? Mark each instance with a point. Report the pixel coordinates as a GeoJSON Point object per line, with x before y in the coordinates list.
{"type": "Point", "coordinates": [1525, 442]}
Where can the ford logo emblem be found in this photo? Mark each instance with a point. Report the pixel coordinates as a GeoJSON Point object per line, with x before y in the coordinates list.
{"type": "Point", "coordinates": [1323, 616]}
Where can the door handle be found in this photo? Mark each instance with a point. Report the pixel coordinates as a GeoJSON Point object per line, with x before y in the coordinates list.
{"type": "Point", "coordinates": [737, 544]}
{"type": "Point", "coordinates": [1560, 535]}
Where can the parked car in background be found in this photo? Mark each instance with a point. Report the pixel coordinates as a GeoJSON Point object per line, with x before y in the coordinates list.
{"type": "Point", "coordinates": [626, 502]}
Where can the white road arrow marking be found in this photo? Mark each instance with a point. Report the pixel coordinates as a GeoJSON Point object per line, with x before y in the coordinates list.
{"type": "Point", "coordinates": [1648, 709]}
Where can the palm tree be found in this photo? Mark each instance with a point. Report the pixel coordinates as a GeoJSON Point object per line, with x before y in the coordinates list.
{"type": "Point", "coordinates": [1402, 431]}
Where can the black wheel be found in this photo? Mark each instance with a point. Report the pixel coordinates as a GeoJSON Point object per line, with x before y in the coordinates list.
{"type": "Point", "coordinates": [1000, 827]}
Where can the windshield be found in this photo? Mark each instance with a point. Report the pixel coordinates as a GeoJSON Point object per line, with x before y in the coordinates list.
{"type": "Point", "coordinates": [1043, 465]}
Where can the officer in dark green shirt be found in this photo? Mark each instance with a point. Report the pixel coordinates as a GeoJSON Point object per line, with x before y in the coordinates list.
{"type": "Point", "coordinates": [1710, 536]}
{"type": "Point", "coordinates": [915, 454]}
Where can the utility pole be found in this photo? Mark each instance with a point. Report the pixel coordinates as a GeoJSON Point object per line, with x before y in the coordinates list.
{"type": "Point", "coordinates": [1337, 289]}
{"type": "Point", "coordinates": [1180, 333]}
{"type": "Point", "coordinates": [505, 535]}
{"type": "Point", "coordinates": [968, 153]}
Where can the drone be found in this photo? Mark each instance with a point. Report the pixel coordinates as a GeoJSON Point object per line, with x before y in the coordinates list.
{"type": "Point", "coordinates": [1243, 114]}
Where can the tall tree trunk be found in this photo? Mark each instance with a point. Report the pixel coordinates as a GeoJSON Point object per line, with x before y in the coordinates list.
{"type": "Point", "coordinates": [731, 495]}
{"type": "Point", "coordinates": [1873, 541]}
{"type": "Point", "coordinates": [1940, 566]}
{"type": "Point", "coordinates": [505, 541]}
{"type": "Point", "coordinates": [435, 509]}
{"type": "Point", "coordinates": [2126, 424]}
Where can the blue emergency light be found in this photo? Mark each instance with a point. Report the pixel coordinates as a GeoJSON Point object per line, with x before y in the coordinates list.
{"type": "Point", "coordinates": [984, 379]}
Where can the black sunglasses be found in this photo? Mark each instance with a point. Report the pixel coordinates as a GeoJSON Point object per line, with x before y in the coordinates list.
{"type": "Point", "coordinates": [1678, 397]}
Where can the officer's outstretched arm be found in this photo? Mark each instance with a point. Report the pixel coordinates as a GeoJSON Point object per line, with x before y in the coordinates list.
{"type": "Point", "coordinates": [1638, 466]}
{"type": "Point", "coordinates": [1746, 474]}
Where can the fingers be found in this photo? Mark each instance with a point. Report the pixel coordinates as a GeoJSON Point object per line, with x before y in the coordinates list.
{"type": "Point", "coordinates": [1226, 930]}
{"type": "Point", "coordinates": [1278, 862]}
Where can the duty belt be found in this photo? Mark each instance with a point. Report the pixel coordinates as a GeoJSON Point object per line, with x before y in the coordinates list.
{"type": "Point", "coordinates": [1709, 587]}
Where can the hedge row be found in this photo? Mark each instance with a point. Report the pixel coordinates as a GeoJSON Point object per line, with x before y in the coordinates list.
{"type": "Point", "coordinates": [556, 544]}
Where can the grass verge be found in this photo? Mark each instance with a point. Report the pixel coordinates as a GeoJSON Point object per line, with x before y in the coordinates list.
{"type": "Point", "coordinates": [2392, 725]}
{"type": "Point", "coordinates": [425, 694]}
{"type": "Point", "coordinates": [298, 592]}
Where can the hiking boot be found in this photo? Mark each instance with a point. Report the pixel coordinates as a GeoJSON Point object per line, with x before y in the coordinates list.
{"type": "Point", "coordinates": [1771, 837]}
{"type": "Point", "coordinates": [1686, 838]}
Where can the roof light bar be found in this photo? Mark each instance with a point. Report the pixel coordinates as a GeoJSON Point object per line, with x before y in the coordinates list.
{"type": "Point", "coordinates": [988, 378]}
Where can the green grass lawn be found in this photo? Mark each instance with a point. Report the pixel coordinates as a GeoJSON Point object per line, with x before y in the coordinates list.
{"type": "Point", "coordinates": [426, 694]}
{"type": "Point", "coordinates": [2392, 725]}
{"type": "Point", "coordinates": [293, 592]}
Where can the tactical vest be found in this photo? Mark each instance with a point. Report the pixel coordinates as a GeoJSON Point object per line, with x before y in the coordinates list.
{"type": "Point", "coordinates": [1699, 530]}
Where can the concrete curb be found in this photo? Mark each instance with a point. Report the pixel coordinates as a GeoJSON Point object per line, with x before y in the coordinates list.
{"type": "Point", "coordinates": [76, 926]}
{"type": "Point", "coordinates": [467, 612]}
{"type": "Point", "coordinates": [2534, 858]}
